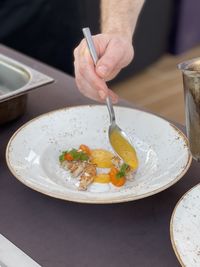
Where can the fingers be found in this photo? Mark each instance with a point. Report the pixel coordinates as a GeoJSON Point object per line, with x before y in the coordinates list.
{"type": "Point", "coordinates": [114, 97]}
{"type": "Point", "coordinates": [115, 52]}
{"type": "Point", "coordinates": [117, 55]}
{"type": "Point", "coordinates": [88, 82]}
{"type": "Point", "coordinates": [85, 88]}
{"type": "Point", "coordinates": [112, 75]}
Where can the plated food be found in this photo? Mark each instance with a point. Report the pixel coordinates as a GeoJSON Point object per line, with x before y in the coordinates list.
{"type": "Point", "coordinates": [89, 166]}
{"type": "Point", "coordinates": [33, 153]}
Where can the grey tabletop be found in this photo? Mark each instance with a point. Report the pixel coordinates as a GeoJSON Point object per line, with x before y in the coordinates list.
{"type": "Point", "coordinates": [60, 233]}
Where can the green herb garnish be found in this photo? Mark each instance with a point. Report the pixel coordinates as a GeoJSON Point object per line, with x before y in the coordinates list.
{"type": "Point", "coordinates": [77, 155]}
{"type": "Point", "coordinates": [62, 156]}
{"type": "Point", "coordinates": [122, 171]}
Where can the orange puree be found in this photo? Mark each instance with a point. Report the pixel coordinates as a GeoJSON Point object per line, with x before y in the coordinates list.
{"type": "Point", "coordinates": [102, 178]}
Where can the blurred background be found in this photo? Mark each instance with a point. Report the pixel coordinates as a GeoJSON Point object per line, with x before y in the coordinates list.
{"type": "Point", "coordinates": [167, 33]}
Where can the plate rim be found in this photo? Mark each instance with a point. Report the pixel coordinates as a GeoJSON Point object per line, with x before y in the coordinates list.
{"type": "Point", "coordinates": [171, 226]}
{"type": "Point", "coordinates": [97, 201]}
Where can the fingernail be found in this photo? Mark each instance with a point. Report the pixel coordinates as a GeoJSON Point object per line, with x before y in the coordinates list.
{"type": "Point", "coordinates": [102, 94]}
{"type": "Point", "coordinates": [102, 70]}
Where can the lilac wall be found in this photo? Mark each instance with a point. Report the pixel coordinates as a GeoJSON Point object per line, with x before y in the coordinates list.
{"type": "Point", "coordinates": [187, 29]}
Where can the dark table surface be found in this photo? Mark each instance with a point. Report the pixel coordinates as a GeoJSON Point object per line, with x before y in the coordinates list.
{"type": "Point", "coordinates": [58, 233]}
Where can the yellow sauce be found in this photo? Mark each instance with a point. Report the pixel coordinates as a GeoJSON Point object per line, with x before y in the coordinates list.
{"type": "Point", "coordinates": [124, 149]}
{"type": "Point", "coordinates": [102, 178]}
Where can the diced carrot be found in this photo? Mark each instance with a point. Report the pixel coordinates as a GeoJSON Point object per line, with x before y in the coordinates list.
{"type": "Point", "coordinates": [113, 171]}
{"type": "Point", "coordinates": [117, 181]}
{"type": "Point", "coordinates": [85, 149]}
{"type": "Point", "coordinates": [68, 157]}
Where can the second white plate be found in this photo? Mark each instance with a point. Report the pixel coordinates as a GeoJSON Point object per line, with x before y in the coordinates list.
{"type": "Point", "coordinates": [185, 225]}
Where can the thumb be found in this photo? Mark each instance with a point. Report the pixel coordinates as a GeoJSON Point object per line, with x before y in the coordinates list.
{"type": "Point", "coordinates": [110, 60]}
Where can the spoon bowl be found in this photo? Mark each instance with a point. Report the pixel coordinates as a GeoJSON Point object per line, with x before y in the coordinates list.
{"type": "Point", "coordinates": [122, 146]}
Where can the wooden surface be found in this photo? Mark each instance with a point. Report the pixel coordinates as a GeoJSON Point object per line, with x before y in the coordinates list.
{"type": "Point", "coordinates": [159, 88]}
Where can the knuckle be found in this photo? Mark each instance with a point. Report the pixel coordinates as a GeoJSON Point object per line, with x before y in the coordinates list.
{"type": "Point", "coordinates": [82, 69]}
{"type": "Point", "coordinates": [79, 48]}
{"type": "Point", "coordinates": [96, 84]}
{"type": "Point", "coordinates": [78, 82]}
{"type": "Point", "coordinates": [76, 51]}
{"type": "Point", "coordinates": [82, 42]}
{"type": "Point", "coordinates": [110, 62]}
{"type": "Point", "coordinates": [78, 79]}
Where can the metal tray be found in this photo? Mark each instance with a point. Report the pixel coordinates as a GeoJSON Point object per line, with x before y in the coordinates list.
{"type": "Point", "coordinates": [16, 80]}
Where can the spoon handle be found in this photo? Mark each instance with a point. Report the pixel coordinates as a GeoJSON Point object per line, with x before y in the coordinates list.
{"type": "Point", "coordinates": [93, 53]}
{"type": "Point", "coordinates": [90, 44]}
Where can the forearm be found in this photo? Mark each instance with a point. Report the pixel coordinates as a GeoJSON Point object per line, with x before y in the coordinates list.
{"type": "Point", "coordinates": [120, 16]}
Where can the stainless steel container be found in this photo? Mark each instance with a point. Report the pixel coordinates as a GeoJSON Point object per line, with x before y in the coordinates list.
{"type": "Point", "coordinates": [191, 83]}
{"type": "Point", "coordinates": [16, 80]}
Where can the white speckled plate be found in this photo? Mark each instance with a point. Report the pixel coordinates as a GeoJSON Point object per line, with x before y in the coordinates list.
{"type": "Point", "coordinates": [185, 228]}
{"type": "Point", "coordinates": [33, 151]}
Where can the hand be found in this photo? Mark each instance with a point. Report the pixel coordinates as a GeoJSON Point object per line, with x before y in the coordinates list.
{"type": "Point", "coordinates": [114, 52]}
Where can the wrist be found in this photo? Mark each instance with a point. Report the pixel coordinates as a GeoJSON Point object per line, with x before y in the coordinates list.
{"type": "Point", "coordinates": [126, 33]}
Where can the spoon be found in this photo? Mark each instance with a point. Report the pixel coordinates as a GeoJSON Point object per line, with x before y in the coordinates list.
{"type": "Point", "coordinates": [118, 139]}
